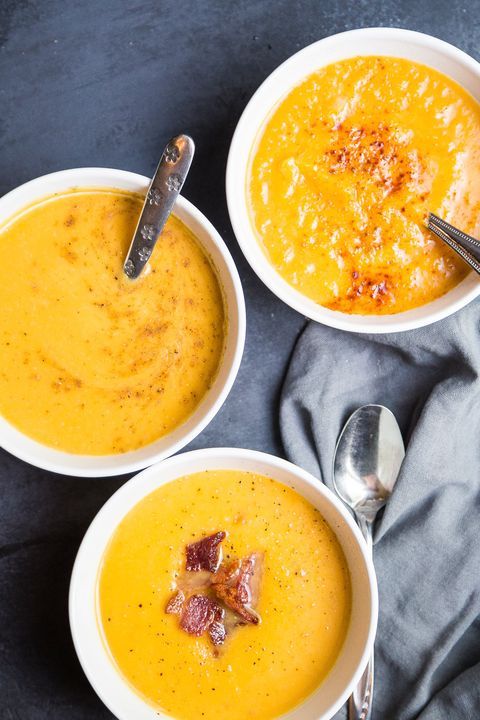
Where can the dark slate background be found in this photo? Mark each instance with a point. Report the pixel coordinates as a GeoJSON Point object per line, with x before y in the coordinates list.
{"type": "Point", "coordinates": [105, 83]}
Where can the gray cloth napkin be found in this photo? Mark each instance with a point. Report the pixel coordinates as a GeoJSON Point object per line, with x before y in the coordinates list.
{"type": "Point", "coordinates": [427, 544]}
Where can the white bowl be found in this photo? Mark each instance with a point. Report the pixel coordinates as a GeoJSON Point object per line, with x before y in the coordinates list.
{"type": "Point", "coordinates": [115, 692]}
{"type": "Point", "coordinates": [42, 456]}
{"type": "Point", "coordinates": [371, 41]}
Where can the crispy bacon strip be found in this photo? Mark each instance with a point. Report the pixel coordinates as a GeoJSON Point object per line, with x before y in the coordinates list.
{"type": "Point", "coordinates": [205, 554]}
{"type": "Point", "coordinates": [175, 604]}
{"type": "Point", "coordinates": [199, 614]}
{"type": "Point", "coordinates": [237, 585]}
{"type": "Point", "coordinates": [217, 629]}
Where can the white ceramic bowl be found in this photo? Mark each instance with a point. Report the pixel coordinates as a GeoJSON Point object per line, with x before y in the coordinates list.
{"type": "Point", "coordinates": [85, 625]}
{"type": "Point", "coordinates": [371, 41]}
{"type": "Point", "coordinates": [89, 465]}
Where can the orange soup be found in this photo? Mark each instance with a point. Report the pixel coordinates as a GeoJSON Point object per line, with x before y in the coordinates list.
{"type": "Point", "coordinates": [344, 173]}
{"type": "Point", "coordinates": [91, 362]}
{"type": "Point", "coordinates": [266, 661]}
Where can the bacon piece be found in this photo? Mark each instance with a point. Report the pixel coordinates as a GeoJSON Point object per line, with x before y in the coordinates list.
{"type": "Point", "coordinates": [237, 584]}
{"type": "Point", "coordinates": [217, 630]}
{"type": "Point", "coordinates": [175, 604]}
{"type": "Point", "coordinates": [205, 554]}
{"type": "Point", "coordinates": [199, 614]}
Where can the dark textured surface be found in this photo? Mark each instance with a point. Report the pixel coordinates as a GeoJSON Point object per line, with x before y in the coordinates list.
{"type": "Point", "coordinates": [105, 83]}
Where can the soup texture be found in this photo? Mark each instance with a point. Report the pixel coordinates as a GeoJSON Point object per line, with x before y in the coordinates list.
{"type": "Point", "coordinates": [344, 174]}
{"type": "Point", "coordinates": [261, 670]}
{"type": "Point", "coordinates": [91, 362]}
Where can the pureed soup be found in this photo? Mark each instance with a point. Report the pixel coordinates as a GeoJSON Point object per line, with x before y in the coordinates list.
{"type": "Point", "coordinates": [92, 362]}
{"type": "Point", "coordinates": [345, 172]}
{"type": "Point", "coordinates": [224, 594]}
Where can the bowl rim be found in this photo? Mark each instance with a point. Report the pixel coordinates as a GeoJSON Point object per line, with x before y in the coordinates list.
{"type": "Point", "coordinates": [253, 117]}
{"type": "Point", "coordinates": [42, 456]}
{"type": "Point", "coordinates": [127, 497]}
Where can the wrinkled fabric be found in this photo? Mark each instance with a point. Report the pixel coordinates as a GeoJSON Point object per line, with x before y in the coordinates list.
{"type": "Point", "coordinates": [427, 543]}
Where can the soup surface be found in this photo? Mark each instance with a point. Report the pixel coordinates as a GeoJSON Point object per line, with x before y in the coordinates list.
{"type": "Point", "coordinates": [345, 172]}
{"type": "Point", "coordinates": [92, 362]}
{"type": "Point", "coordinates": [261, 671]}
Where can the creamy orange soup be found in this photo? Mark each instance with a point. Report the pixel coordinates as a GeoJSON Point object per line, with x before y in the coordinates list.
{"type": "Point", "coordinates": [261, 671]}
{"type": "Point", "coordinates": [343, 176]}
{"type": "Point", "coordinates": [92, 362]}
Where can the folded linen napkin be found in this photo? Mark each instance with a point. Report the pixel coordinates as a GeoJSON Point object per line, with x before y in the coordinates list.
{"type": "Point", "coordinates": [427, 544]}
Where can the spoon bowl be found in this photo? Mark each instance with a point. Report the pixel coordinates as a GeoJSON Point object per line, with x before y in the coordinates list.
{"type": "Point", "coordinates": [368, 456]}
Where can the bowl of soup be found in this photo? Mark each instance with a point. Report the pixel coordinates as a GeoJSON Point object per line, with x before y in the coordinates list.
{"type": "Point", "coordinates": [101, 375]}
{"type": "Point", "coordinates": [223, 583]}
{"type": "Point", "coordinates": [335, 164]}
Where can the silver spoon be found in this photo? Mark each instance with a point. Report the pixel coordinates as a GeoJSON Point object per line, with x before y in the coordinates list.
{"type": "Point", "coordinates": [464, 245]}
{"type": "Point", "coordinates": [159, 201]}
{"type": "Point", "coordinates": [368, 456]}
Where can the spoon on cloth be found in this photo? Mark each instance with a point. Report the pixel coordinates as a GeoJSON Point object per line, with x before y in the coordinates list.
{"type": "Point", "coordinates": [159, 201]}
{"type": "Point", "coordinates": [367, 460]}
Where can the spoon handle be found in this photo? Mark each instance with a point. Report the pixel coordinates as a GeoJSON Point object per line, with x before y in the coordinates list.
{"type": "Point", "coordinates": [162, 193]}
{"type": "Point", "coordinates": [366, 526]}
{"type": "Point", "coordinates": [360, 702]}
{"type": "Point", "coordinates": [466, 249]}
